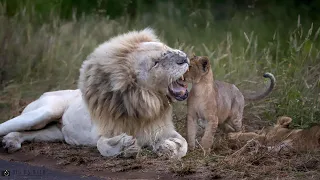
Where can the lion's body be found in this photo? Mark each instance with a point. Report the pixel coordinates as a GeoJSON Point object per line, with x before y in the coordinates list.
{"type": "Point", "coordinates": [280, 137]}
{"type": "Point", "coordinates": [66, 109]}
{"type": "Point", "coordinates": [122, 104]}
{"type": "Point", "coordinates": [216, 102]}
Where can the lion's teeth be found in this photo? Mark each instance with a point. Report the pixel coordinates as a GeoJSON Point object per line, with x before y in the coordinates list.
{"type": "Point", "coordinates": [182, 78]}
{"type": "Point", "coordinates": [188, 70]}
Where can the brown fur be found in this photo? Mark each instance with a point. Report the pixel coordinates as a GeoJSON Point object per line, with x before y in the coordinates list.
{"type": "Point", "coordinates": [219, 103]}
{"type": "Point", "coordinates": [280, 137]}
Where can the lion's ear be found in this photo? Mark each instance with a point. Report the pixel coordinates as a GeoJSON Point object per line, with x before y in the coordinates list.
{"type": "Point", "coordinates": [205, 64]}
{"type": "Point", "coordinates": [284, 121]}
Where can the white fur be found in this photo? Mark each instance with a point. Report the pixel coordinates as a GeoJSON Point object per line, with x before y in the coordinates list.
{"type": "Point", "coordinates": [68, 107]}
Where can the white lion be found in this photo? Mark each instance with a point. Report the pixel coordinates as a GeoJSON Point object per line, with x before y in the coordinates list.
{"type": "Point", "coordinates": [123, 102]}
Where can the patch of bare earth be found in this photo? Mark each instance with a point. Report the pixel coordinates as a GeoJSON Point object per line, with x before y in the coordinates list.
{"type": "Point", "coordinates": [227, 160]}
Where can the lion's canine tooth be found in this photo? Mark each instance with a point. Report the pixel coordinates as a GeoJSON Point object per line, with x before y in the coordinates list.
{"type": "Point", "coordinates": [182, 78]}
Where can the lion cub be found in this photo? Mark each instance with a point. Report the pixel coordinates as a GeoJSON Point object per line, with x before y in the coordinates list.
{"type": "Point", "coordinates": [214, 101]}
{"type": "Point", "coordinates": [281, 137]}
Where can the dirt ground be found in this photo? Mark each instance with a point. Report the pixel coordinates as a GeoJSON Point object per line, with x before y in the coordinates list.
{"type": "Point", "coordinates": [225, 161]}
{"type": "Point", "coordinates": [11, 170]}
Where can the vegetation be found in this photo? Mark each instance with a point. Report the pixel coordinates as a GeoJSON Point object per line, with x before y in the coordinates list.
{"type": "Point", "coordinates": [43, 43]}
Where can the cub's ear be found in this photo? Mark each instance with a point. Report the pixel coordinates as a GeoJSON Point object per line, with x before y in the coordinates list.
{"type": "Point", "coordinates": [192, 57]}
{"type": "Point", "coordinates": [205, 64]}
{"type": "Point", "coordinates": [284, 121]}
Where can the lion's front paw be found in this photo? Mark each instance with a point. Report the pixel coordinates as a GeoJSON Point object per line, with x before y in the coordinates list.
{"type": "Point", "coordinates": [119, 145]}
{"type": "Point", "coordinates": [172, 148]}
{"type": "Point", "coordinates": [12, 142]}
{"type": "Point", "coordinates": [131, 151]}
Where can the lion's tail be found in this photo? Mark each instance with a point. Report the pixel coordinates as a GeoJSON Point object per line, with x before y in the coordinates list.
{"type": "Point", "coordinates": [256, 97]}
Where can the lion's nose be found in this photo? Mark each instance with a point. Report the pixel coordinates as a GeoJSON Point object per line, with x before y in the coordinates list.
{"type": "Point", "coordinates": [178, 56]}
{"type": "Point", "coordinates": [181, 61]}
{"type": "Point", "coordinates": [182, 58]}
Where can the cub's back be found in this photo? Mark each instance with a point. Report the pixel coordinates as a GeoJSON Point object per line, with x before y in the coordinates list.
{"type": "Point", "coordinates": [228, 97]}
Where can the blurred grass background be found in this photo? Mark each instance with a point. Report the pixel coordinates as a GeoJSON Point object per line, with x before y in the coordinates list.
{"type": "Point", "coordinates": [43, 43]}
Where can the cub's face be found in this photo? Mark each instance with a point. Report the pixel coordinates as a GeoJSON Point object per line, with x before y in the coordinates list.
{"type": "Point", "coordinates": [199, 67]}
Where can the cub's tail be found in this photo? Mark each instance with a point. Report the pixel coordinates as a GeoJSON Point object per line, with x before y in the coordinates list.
{"type": "Point", "coordinates": [259, 96]}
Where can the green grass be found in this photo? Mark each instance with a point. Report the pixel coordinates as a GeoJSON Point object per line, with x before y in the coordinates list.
{"type": "Point", "coordinates": [38, 56]}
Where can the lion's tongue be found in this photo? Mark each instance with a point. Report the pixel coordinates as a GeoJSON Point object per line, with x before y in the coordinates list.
{"type": "Point", "coordinates": [178, 89]}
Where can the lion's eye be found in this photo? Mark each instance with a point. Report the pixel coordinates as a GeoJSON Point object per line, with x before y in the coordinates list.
{"type": "Point", "coordinates": [156, 64]}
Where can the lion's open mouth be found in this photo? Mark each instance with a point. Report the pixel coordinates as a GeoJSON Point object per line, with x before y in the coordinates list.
{"type": "Point", "coordinates": [179, 89]}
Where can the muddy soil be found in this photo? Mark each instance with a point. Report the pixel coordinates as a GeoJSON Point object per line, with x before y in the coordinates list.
{"type": "Point", "coordinates": [84, 162]}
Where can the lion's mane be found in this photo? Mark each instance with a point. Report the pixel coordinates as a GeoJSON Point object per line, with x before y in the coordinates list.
{"type": "Point", "coordinates": [116, 102]}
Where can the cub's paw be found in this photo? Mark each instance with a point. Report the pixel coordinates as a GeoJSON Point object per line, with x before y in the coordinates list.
{"type": "Point", "coordinates": [191, 146]}
{"type": "Point", "coordinates": [233, 136]}
{"type": "Point", "coordinates": [206, 145]}
{"type": "Point", "coordinates": [12, 142]}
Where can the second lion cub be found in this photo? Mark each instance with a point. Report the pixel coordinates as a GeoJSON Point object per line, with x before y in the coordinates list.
{"type": "Point", "coordinates": [214, 101]}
